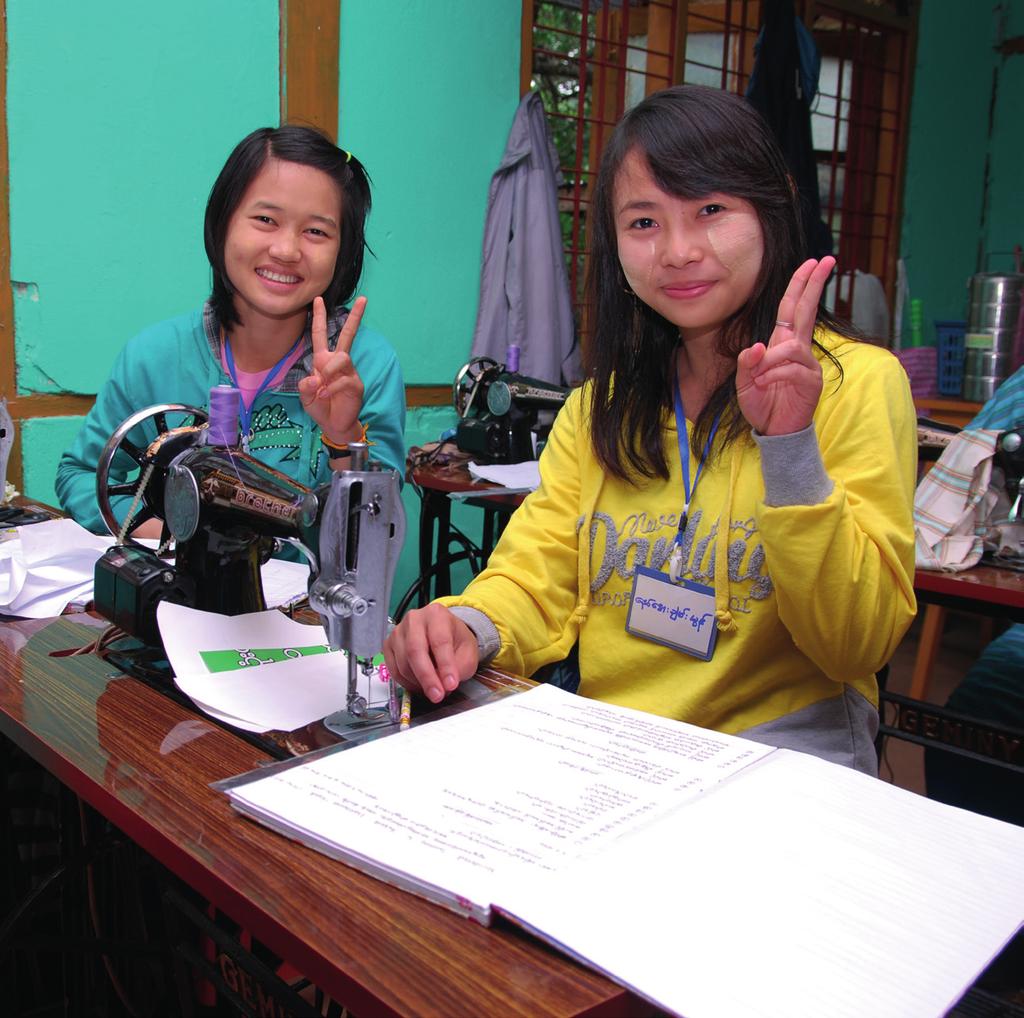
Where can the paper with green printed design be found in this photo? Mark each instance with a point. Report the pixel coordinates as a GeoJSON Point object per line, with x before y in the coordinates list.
{"type": "Point", "coordinates": [260, 671]}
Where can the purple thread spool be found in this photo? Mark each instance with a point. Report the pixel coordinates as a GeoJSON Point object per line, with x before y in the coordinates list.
{"type": "Point", "coordinates": [224, 403]}
{"type": "Point", "coordinates": [512, 358]}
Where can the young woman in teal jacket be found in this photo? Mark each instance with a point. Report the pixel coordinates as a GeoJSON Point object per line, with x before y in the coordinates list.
{"type": "Point", "coordinates": [285, 236]}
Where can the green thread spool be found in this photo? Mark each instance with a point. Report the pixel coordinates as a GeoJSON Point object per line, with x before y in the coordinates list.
{"type": "Point", "coordinates": [916, 319]}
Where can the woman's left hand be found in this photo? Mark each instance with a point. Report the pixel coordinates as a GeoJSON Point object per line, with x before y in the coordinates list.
{"type": "Point", "coordinates": [332, 394]}
{"type": "Point", "coordinates": [778, 385]}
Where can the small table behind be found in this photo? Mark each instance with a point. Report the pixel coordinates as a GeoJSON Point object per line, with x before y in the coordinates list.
{"type": "Point", "coordinates": [983, 590]}
{"type": "Point", "coordinates": [435, 483]}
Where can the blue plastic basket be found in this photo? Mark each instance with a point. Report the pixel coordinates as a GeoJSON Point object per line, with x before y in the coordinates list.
{"type": "Point", "coordinates": [949, 360]}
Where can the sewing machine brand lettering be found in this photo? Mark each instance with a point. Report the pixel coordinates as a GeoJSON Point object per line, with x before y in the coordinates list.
{"type": "Point", "coordinates": [262, 504]}
{"type": "Point", "coordinates": [977, 737]}
{"type": "Point", "coordinates": [260, 999]}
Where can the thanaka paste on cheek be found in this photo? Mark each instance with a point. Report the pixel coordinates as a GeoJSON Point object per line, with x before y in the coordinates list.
{"type": "Point", "coordinates": [735, 239]}
{"type": "Point", "coordinates": [640, 269]}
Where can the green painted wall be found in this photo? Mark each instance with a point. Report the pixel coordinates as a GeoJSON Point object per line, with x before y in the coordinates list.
{"type": "Point", "coordinates": [119, 115]}
{"type": "Point", "coordinates": [1004, 212]}
{"type": "Point", "coordinates": [952, 226]}
{"type": "Point", "coordinates": [426, 99]}
{"type": "Point", "coordinates": [117, 125]}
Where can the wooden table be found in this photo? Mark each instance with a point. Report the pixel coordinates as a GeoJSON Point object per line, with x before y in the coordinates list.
{"type": "Point", "coordinates": [949, 409]}
{"type": "Point", "coordinates": [436, 482]}
{"type": "Point", "coordinates": [984, 590]}
{"type": "Point", "coordinates": [146, 764]}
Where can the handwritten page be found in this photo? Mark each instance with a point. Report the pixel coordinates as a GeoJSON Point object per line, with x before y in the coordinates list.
{"type": "Point", "coordinates": [801, 889]}
{"type": "Point", "coordinates": [523, 786]}
{"type": "Point", "coordinates": [711, 875]}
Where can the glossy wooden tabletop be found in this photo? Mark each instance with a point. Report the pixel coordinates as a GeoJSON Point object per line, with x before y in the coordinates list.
{"type": "Point", "coordinates": [990, 590]}
{"type": "Point", "coordinates": [146, 763]}
{"type": "Point", "coordinates": [455, 477]}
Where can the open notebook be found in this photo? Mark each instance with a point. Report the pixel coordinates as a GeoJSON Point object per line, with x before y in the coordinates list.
{"type": "Point", "coordinates": [714, 876]}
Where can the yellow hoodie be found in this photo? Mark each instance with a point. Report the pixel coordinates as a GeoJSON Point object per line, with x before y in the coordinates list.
{"type": "Point", "coordinates": [812, 599]}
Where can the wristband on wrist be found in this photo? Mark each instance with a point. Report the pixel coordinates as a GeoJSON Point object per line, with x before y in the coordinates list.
{"type": "Point", "coordinates": [334, 451]}
{"type": "Point", "coordinates": [337, 450]}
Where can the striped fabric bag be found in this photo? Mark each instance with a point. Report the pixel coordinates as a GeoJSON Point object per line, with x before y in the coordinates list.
{"type": "Point", "coordinates": [953, 503]}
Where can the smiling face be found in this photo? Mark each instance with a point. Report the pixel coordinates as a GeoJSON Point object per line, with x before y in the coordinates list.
{"type": "Point", "coordinates": [694, 261]}
{"type": "Point", "coordinates": [282, 242]}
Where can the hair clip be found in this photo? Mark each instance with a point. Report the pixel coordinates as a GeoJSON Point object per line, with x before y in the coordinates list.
{"type": "Point", "coordinates": [348, 155]}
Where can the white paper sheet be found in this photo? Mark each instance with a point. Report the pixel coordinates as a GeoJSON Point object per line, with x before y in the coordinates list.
{"type": "Point", "coordinates": [47, 566]}
{"type": "Point", "coordinates": [801, 889]}
{"type": "Point", "coordinates": [467, 829]}
{"type": "Point", "coordinates": [253, 691]}
{"type": "Point", "coordinates": [283, 696]}
{"type": "Point", "coordinates": [284, 581]}
{"type": "Point", "coordinates": [188, 632]}
{"type": "Point", "coordinates": [786, 888]}
{"type": "Point", "coordinates": [510, 475]}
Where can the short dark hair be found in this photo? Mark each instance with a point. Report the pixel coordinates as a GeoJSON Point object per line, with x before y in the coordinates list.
{"type": "Point", "coordinates": [307, 146]}
{"type": "Point", "coordinates": [696, 141]}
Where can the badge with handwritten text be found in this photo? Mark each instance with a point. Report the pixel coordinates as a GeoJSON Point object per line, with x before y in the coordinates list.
{"type": "Point", "coordinates": [680, 615]}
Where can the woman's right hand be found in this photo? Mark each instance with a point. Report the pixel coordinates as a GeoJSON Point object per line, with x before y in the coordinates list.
{"type": "Point", "coordinates": [431, 651]}
{"type": "Point", "coordinates": [152, 528]}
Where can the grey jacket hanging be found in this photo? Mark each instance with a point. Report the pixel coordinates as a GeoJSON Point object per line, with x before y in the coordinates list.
{"type": "Point", "coordinates": [524, 287]}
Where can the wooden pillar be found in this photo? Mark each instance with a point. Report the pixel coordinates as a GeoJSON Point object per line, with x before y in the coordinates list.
{"type": "Point", "coordinates": [8, 372]}
{"type": "Point", "coordinates": [310, 33]}
{"type": "Point", "coordinates": [526, 48]}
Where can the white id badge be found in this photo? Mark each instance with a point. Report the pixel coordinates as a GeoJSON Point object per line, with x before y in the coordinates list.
{"type": "Point", "coordinates": [680, 615]}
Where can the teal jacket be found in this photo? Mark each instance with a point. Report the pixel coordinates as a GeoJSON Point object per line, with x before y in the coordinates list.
{"type": "Point", "coordinates": [177, 361]}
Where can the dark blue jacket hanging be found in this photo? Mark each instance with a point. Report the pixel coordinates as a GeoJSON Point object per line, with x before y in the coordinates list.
{"type": "Point", "coordinates": [782, 87]}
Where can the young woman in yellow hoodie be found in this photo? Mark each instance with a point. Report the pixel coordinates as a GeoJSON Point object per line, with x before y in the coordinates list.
{"type": "Point", "coordinates": [724, 516]}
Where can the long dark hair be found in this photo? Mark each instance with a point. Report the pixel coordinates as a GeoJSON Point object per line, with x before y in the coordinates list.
{"type": "Point", "coordinates": [293, 144]}
{"type": "Point", "coordinates": [696, 141]}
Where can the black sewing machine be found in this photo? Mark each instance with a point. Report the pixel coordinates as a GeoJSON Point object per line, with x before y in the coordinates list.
{"type": "Point", "coordinates": [228, 513]}
{"type": "Point", "coordinates": [1009, 457]}
{"type": "Point", "coordinates": [504, 417]}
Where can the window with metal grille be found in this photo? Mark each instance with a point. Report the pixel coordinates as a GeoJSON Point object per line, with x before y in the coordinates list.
{"type": "Point", "coordinates": [592, 59]}
{"type": "Point", "coordinates": [859, 132]}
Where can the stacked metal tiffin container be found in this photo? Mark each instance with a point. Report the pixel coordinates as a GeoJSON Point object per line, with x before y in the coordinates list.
{"type": "Point", "coordinates": [993, 317]}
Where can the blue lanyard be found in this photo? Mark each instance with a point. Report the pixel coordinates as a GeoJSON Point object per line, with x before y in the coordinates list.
{"type": "Point", "coordinates": [245, 413]}
{"type": "Point", "coordinates": [684, 458]}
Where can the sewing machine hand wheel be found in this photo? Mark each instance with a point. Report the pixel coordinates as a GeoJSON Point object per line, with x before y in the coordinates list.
{"type": "Point", "coordinates": [467, 382]}
{"type": "Point", "coordinates": [143, 459]}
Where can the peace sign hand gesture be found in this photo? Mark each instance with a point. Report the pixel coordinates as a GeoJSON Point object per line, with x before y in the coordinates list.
{"type": "Point", "coordinates": [778, 385]}
{"type": "Point", "coordinates": [332, 394]}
